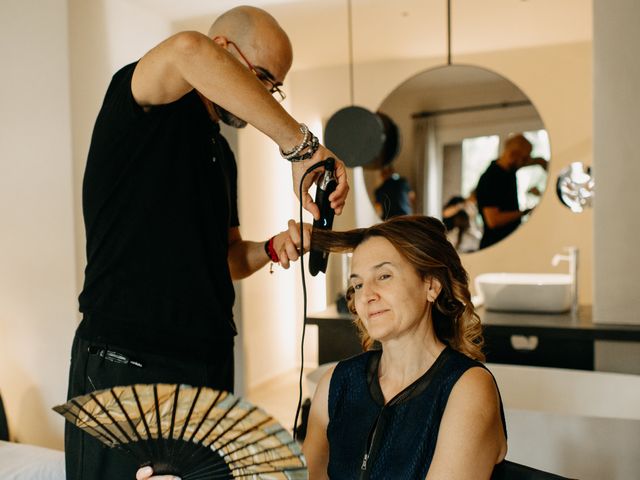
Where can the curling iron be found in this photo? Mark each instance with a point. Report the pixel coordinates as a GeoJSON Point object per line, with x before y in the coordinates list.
{"type": "Point", "coordinates": [327, 184]}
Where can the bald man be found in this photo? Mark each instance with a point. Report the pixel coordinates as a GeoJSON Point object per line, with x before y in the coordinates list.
{"type": "Point", "coordinates": [497, 190]}
{"type": "Point", "coordinates": [161, 217]}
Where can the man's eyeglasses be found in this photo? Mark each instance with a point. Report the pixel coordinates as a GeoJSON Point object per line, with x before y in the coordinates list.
{"type": "Point", "coordinates": [263, 75]}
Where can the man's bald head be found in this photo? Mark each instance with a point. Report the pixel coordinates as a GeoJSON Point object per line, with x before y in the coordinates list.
{"type": "Point", "coordinates": [259, 36]}
{"type": "Point", "coordinates": [517, 150]}
{"type": "Point", "coordinates": [517, 141]}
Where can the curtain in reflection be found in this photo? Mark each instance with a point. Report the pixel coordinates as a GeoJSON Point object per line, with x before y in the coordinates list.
{"type": "Point", "coordinates": [428, 168]}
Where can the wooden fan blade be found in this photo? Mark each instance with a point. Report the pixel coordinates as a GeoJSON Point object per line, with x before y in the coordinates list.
{"type": "Point", "coordinates": [191, 432]}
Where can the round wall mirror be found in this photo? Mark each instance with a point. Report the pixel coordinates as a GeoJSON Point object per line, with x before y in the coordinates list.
{"type": "Point", "coordinates": [471, 150]}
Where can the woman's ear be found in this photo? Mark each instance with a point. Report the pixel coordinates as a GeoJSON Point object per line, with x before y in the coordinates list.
{"type": "Point", "coordinates": [434, 287]}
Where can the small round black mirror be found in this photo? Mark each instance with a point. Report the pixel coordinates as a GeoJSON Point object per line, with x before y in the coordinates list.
{"type": "Point", "coordinates": [355, 135]}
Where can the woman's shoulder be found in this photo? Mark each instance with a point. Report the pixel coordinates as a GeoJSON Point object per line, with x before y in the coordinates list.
{"type": "Point", "coordinates": [456, 364]}
{"type": "Point", "coordinates": [479, 381]}
{"type": "Point", "coordinates": [359, 358]}
{"type": "Point", "coordinates": [472, 425]}
{"type": "Point", "coordinates": [473, 387]}
{"type": "Point", "coordinates": [474, 408]}
{"type": "Point", "coordinates": [462, 373]}
{"type": "Point", "coordinates": [342, 367]}
{"type": "Point", "coordinates": [350, 374]}
{"type": "Point", "coordinates": [463, 360]}
{"type": "Point", "coordinates": [356, 364]}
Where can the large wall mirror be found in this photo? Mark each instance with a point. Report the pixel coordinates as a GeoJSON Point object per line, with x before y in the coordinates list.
{"type": "Point", "coordinates": [451, 125]}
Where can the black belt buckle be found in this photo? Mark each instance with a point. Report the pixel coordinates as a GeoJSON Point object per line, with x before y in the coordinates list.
{"type": "Point", "coordinates": [113, 356]}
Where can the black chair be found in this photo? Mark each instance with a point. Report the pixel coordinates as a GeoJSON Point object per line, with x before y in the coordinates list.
{"type": "Point", "coordinates": [514, 471]}
{"type": "Point", "coordinates": [4, 426]}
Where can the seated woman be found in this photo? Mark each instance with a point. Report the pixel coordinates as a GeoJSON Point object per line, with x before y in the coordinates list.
{"type": "Point", "coordinates": [460, 217]}
{"type": "Point", "coordinates": [422, 406]}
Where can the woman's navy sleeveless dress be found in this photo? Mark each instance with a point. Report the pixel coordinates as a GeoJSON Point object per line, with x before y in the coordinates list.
{"type": "Point", "coordinates": [396, 441]}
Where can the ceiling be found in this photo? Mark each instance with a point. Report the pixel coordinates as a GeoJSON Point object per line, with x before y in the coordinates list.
{"type": "Point", "coordinates": [384, 29]}
{"type": "Point", "coordinates": [184, 9]}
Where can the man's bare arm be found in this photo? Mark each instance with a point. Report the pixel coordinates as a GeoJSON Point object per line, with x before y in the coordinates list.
{"type": "Point", "coordinates": [494, 217]}
{"type": "Point", "coordinates": [190, 60]}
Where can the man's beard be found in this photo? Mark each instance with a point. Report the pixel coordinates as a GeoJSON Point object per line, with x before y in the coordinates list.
{"type": "Point", "coordinates": [229, 118]}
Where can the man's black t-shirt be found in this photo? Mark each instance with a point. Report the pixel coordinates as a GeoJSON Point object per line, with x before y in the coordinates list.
{"type": "Point", "coordinates": [159, 197]}
{"type": "Point", "coordinates": [497, 188]}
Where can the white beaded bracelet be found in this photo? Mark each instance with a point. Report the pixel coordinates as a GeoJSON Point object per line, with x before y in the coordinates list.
{"type": "Point", "coordinates": [297, 149]}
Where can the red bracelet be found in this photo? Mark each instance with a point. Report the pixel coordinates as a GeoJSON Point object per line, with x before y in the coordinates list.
{"type": "Point", "coordinates": [271, 251]}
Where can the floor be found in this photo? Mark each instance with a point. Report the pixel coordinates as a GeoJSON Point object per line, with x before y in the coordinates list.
{"type": "Point", "coordinates": [279, 396]}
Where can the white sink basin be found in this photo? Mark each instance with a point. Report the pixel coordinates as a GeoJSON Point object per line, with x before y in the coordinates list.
{"type": "Point", "coordinates": [525, 292]}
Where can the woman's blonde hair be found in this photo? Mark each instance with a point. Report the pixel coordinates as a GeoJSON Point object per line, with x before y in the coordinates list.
{"type": "Point", "coordinates": [423, 242]}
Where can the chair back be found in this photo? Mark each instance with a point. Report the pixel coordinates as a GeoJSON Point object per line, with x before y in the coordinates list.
{"type": "Point", "coordinates": [514, 471]}
{"type": "Point", "coordinates": [4, 426]}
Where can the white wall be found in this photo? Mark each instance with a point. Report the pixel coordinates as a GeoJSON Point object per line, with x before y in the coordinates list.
{"type": "Point", "coordinates": [57, 59]}
{"type": "Point", "coordinates": [616, 166]}
{"type": "Point", "coordinates": [37, 263]}
{"type": "Point", "coordinates": [104, 36]}
{"type": "Point", "coordinates": [268, 308]}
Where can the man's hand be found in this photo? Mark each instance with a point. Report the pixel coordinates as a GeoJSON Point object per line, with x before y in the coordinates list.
{"type": "Point", "coordinates": [287, 243]}
{"type": "Point", "coordinates": [145, 473]}
{"type": "Point", "coordinates": [544, 163]}
{"type": "Point", "coordinates": [337, 198]}
{"type": "Point", "coordinates": [535, 191]}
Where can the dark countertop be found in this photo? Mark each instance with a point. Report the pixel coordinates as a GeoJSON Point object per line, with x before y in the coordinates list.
{"type": "Point", "coordinates": [579, 325]}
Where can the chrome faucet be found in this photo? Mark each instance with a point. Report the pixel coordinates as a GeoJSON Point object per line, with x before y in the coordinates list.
{"type": "Point", "coordinates": [572, 258]}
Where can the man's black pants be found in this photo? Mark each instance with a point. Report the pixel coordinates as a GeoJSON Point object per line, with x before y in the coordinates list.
{"type": "Point", "coordinates": [93, 368]}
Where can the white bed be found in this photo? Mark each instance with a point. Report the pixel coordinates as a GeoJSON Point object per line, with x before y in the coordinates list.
{"type": "Point", "coordinates": [28, 462]}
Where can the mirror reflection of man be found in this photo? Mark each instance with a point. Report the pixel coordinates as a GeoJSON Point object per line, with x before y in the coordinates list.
{"type": "Point", "coordinates": [497, 190]}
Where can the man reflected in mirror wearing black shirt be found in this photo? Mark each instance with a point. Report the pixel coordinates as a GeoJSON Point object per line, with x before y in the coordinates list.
{"type": "Point", "coordinates": [497, 190]}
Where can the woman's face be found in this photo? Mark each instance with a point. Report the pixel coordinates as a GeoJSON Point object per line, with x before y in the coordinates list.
{"type": "Point", "coordinates": [390, 296]}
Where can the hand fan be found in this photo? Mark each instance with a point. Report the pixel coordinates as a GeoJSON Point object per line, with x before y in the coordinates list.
{"type": "Point", "coordinates": [196, 433]}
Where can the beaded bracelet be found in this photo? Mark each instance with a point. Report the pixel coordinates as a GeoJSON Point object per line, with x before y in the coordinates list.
{"type": "Point", "coordinates": [305, 150]}
{"type": "Point", "coordinates": [312, 149]}
{"type": "Point", "coordinates": [297, 149]}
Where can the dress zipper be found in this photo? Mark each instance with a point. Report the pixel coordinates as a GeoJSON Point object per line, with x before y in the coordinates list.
{"type": "Point", "coordinates": [364, 473]}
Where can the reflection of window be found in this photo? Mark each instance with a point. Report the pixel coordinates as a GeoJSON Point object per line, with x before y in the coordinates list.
{"type": "Point", "coordinates": [477, 154]}
{"type": "Point", "coordinates": [533, 180]}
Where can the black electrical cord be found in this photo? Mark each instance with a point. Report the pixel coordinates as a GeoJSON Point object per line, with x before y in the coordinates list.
{"type": "Point", "coordinates": [448, 32]}
{"type": "Point", "coordinates": [304, 296]}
